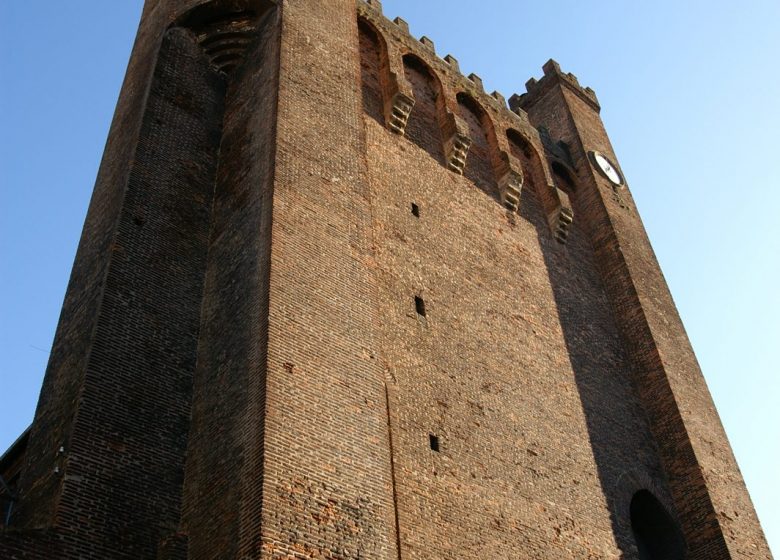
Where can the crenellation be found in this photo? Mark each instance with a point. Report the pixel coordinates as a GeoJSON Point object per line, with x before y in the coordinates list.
{"type": "Point", "coordinates": [455, 139]}
{"type": "Point", "coordinates": [428, 44]}
{"type": "Point", "coordinates": [499, 98]}
{"type": "Point", "coordinates": [376, 4]}
{"type": "Point", "coordinates": [554, 75]}
{"type": "Point", "coordinates": [477, 81]}
{"type": "Point", "coordinates": [519, 113]}
{"type": "Point", "coordinates": [551, 68]}
{"type": "Point", "coordinates": [399, 42]}
{"type": "Point", "coordinates": [402, 24]}
{"type": "Point", "coordinates": [453, 62]}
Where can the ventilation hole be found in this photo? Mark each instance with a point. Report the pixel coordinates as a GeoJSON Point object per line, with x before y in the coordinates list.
{"type": "Point", "coordinates": [434, 442]}
{"type": "Point", "coordinates": [415, 210]}
{"type": "Point", "coordinates": [419, 305]}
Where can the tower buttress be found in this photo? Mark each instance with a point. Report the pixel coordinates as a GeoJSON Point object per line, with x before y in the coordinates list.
{"type": "Point", "coordinates": [714, 509]}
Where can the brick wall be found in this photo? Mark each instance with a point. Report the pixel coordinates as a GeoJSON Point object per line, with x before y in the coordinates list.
{"type": "Point", "coordinates": [327, 483]}
{"type": "Point", "coordinates": [265, 353]}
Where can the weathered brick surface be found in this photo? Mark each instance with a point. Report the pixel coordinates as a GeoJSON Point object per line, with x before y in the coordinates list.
{"type": "Point", "coordinates": [241, 368]}
{"type": "Point", "coordinates": [517, 341]}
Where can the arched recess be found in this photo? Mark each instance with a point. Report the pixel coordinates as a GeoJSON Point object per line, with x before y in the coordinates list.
{"type": "Point", "coordinates": [425, 122]}
{"type": "Point", "coordinates": [554, 201]}
{"type": "Point", "coordinates": [656, 533]}
{"type": "Point", "coordinates": [533, 171]}
{"type": "Point", "coordinates": [373, 66]}
{"type": "Point", "coordinates": [564, 179]}
{"type": "Point", "coordinates": [479, 162]}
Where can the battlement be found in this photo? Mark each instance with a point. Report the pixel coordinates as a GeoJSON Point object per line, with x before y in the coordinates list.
{"type": "Point", "coordinates": [553, 75]}
{"type": "Point", "coordinates": [424, 47]}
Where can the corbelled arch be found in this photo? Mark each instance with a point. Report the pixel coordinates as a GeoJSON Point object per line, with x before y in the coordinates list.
{"type": "Point", "coordinates": [225, 29]}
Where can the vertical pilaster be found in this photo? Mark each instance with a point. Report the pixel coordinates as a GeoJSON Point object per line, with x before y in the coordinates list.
{"type": "Point", "coordinates": [327, 485]}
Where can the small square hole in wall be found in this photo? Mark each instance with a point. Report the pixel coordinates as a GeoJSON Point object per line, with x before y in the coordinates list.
{"type": "Point", "coordinates": [434, 442]}
{"type": "Point", "coordinates": [415, 210]}
{"type": "Point", "coordinates": [419, 306]}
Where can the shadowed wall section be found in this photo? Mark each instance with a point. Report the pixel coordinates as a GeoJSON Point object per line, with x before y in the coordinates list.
{"type": "Point", "coordinates": [224, 460]}
{"type": "Point", "coordinates": [126, 458]}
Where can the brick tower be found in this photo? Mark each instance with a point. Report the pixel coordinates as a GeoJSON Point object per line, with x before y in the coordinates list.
{"type": "Point", "coordinates": [334, 301]}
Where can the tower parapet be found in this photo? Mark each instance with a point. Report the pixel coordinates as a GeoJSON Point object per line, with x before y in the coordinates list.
{"type": "Point", "coordinates": [553, 75]}
{"type": "Point", "coordinates": [399, 102]}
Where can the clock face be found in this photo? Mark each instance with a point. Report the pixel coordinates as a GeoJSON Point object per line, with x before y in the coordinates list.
{"type": "Point", "coordinates": [607, 169]}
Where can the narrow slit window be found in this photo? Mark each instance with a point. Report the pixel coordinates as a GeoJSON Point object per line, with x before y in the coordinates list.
{"type": "Point", "coordinates": [433, 441]}
{"type": "Point", "coordinates": [415, 210]}
{"type": "Point", "coordinates": [419, 305]}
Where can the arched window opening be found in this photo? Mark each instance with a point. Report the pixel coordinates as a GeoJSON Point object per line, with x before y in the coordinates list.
{"type": "Point", "coordinates": [423, 128]}
{"type": "Point", "coordinates": [563, 179]}
{"type": "Point", "coordinates": [370, 69]}
{"type": "Point", "coordinates": [656, 533]}
{"type": "Point", "coordinates": [479, 168]}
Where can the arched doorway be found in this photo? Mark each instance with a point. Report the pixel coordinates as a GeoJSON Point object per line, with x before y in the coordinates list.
{"type": "Point", "coordinates": [655, 531]}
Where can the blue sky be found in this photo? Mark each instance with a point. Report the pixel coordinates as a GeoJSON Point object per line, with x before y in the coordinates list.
{"type": "Point", "coordinates": [689, 93]}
